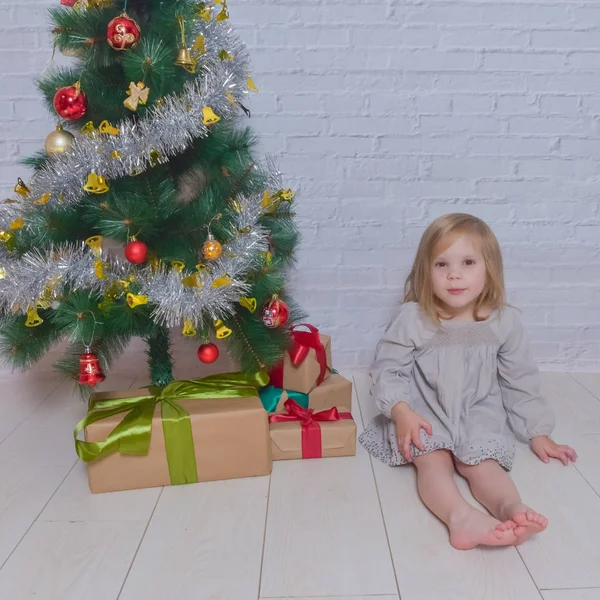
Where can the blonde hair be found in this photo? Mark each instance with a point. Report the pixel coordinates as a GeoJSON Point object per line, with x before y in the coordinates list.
{"type": "Point", "coordinates": [438, 237]}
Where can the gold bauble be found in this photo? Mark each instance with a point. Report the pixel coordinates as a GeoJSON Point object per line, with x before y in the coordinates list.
{"type": "Point", "coordinates": [211, 249]}
{"type": "Point", "coordinates": [58, 141]}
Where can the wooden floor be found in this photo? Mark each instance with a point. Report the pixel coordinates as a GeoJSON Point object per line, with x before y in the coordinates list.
{"type": "Point", "coordinates": [347, 528]}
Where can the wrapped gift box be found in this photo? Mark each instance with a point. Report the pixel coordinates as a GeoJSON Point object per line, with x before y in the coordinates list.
{"type": "Point", "coordinates": [302, 433]}
{"type": "Point", "coordinates": [307, 364]}
{"type": "Point", "coordinates": [226, 438]}
{"type": "Point", "coordinates": [334, 391]}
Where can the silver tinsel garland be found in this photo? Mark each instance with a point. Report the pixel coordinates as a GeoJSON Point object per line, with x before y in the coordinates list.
{"type": "Point", "coordinates": [38, 275]}
{"type": "Point", "coordinates": [166, 129]}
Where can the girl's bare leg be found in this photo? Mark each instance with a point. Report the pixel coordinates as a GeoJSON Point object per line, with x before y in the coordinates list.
{"type": "Point", "coordinates": [493, 487]}
{"type": "Point", "coordinates": [468, 526]}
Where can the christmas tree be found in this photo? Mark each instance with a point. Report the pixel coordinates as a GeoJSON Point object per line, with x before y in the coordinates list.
{"type": "Point", "coordinates": [148, 209]}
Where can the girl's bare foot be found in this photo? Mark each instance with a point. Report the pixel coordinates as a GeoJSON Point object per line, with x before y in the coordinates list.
{"type": "Point", "coordinates": [473, 528]}
{"type": "Point", "coordinates": [528, 522]}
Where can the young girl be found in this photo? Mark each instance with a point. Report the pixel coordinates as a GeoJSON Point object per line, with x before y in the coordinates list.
{"type": "Point", "coordinates": [455, 383]}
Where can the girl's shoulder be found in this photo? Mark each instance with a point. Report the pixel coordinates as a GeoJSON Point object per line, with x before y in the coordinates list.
{"type": "Point", "coordinates": [410, 320]}
{"type": "Point", "coordinates": [507, 321]}
{"type": "Point", "coordinates": [409, 313]}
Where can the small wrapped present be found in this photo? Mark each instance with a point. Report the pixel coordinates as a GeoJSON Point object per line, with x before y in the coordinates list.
{"type": "Point", "coordinates": [199, 430]}
{"type": "Point", "coordinates": [308, 362]}
{"type": "Point", "coordinates": [303, 433]}
{"type": "Point", "coordinates": [334, 391]}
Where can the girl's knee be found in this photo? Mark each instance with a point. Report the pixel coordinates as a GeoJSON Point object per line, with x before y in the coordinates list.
{"type": "Point", "coordinates": [435, 458]}
{"type": "Point", "coordinates": [468, 470]}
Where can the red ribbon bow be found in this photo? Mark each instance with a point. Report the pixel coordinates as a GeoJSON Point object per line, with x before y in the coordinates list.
{"type": "Point", "coordinates": [312, 446]}
{"type": "Point", "coordinates": [303, 342]}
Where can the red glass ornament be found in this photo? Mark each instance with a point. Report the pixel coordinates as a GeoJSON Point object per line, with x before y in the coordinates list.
{"type": "Point", "coordinates": [136, 252]}
{"type": "Point", "coordinates": [208, 353]}
{"type": "Point", "coordinates": [275, 313]}
{"type": "Point", "coordinates": [90, 372]}
{"type": "Point", "coordinates": [123, 33]}
{"type": "Point", "coordinates": [68, 2]}
{"type": "Point", "coordinates": [70, 102]}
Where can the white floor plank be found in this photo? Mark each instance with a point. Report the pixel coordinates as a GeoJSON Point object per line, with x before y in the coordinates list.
{"type": "Point", "coordinates": [204, 542]}
{"type": "Point", "coordinates": [580, 594]}
{"type": "Point", "coordinates": [567, 554]}
{"type": "Point", "coordinates": [588, 462]}
{"type": "Point", "coordinates": [370, 597]}
{"type": "Point", "coordinates": [577, 410]}
{"type": "Point", "coordinates": [427, 566]}
{"type": "Point", "coordinates": [46, 436]}
{"type": "Point", "coordinates": [590, 381]}
{"type": "Point", "coordinates": [325, 534]}
{"type": "Point", "coordinates": [19, 398]}
{"type": "Point", "coordinates": [34, 460]}
{"type": "Point", "coordinates": [74, 502]}
{"type": "Point", "coordinates": [24, 491]}
{"type": "Point", "coordinates": [71, 561]}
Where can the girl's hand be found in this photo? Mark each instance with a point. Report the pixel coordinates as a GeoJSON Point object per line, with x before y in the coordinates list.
{"type": "Point", "coordinates": [408, 429]}
{"type": "Point", "coordinates": [546, 448]}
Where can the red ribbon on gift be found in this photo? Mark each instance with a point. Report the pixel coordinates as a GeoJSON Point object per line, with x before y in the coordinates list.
{"type": "Point", "coordinates": [303, 342]}
{"type": "Point", "coordinates": [312, 446]}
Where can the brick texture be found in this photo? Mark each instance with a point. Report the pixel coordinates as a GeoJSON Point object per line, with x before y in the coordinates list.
{"type": "Point", "coordinates": [386, 114]}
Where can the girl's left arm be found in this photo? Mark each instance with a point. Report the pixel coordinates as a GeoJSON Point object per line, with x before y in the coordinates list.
{"type": "Point", "coordinates": [530, 415]}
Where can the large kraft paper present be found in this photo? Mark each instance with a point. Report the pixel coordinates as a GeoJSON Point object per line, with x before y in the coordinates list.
{"type": "Point", "coordinates": [302, 433]}
{"type": "Point", "coordinates": [334, 391]}
{"type": "Point", "coordinates": [307, 363]}
{"type": "Point", "coordinates": [191, 431]}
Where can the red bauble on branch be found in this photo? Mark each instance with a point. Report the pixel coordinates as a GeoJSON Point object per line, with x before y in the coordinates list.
{"type": "Point", "coordinates": [275, 313]}
{"type": "Point", "coordinates": [70, 102]}
{"type": "Point", "coordinates": [68, 2]}
{"type": "Point", "coordinates": [208, 353]}
{"type": "Point", "coordinates": [136, 252]}
{"type": "Point", "coordinates": [123, 33]}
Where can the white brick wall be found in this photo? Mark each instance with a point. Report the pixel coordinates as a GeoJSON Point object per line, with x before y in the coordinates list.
{"type": "Point", "coordinates": [386, 114]}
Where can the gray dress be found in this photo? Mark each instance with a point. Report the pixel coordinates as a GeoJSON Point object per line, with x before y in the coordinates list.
{"type": "Point", "coordinates": [475, 382]}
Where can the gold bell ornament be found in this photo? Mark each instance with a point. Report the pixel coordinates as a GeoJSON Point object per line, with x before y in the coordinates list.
{"type": "Point", "coordinates": [21, 188]}
{"type": "Point", "coordinates": [222, 331]}
{"type": "Point", "coordinates": [33, 319]}
{"type": "Point", "coordinates": [96, 184]}
{"type": "Point", "coordinates": [209, 117]}
{"type": "Point", "coordinates": [184, 58]}
{"type": "Point", "coordinates": [134, 300]}
{"type": "Point", "coordinates": [188, 328]}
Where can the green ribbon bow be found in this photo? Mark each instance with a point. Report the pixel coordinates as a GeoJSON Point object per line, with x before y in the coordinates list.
{"type": "Point", "coordinates": [270, 396]}
{"type": "Point", "coordinates": [132, 435]}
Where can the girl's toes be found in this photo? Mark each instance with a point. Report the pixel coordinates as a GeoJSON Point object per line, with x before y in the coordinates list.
{"type": "Point", "coordinates": [506, 526]}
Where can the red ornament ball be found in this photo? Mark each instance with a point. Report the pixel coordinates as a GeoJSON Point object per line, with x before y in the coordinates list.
{"type": "Point", "coordinates": [123, 33]}
{"type": "Point", "coordinates": [208, 353]}
{"type": "Point", "coordinates": [68, 2]}
{"type": "Point", "coordinates": [70, 102]}
{"type": "Point", "coordinates": [275, 313]}
{"type": "Point", "coordinates": [136, 252]}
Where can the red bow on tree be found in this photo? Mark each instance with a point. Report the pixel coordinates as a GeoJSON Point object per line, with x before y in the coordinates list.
{"type": "Point", "coordinates": [312, 445]}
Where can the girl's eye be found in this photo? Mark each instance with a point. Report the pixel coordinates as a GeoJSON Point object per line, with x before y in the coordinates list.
{"type": "Point", "coordinates": [440, 264]}
{"type": "Point", "coordinates": [469, 262]}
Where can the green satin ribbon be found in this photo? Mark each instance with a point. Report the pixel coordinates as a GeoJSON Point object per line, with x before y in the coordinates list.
{"type": "Point", "coordinates": [132, 435]}
{"type": "Point", "coordinates": [270, 396]}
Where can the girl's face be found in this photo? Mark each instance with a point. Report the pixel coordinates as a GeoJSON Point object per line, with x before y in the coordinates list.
{"type": "Point", "coordinates": [459, 276]}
